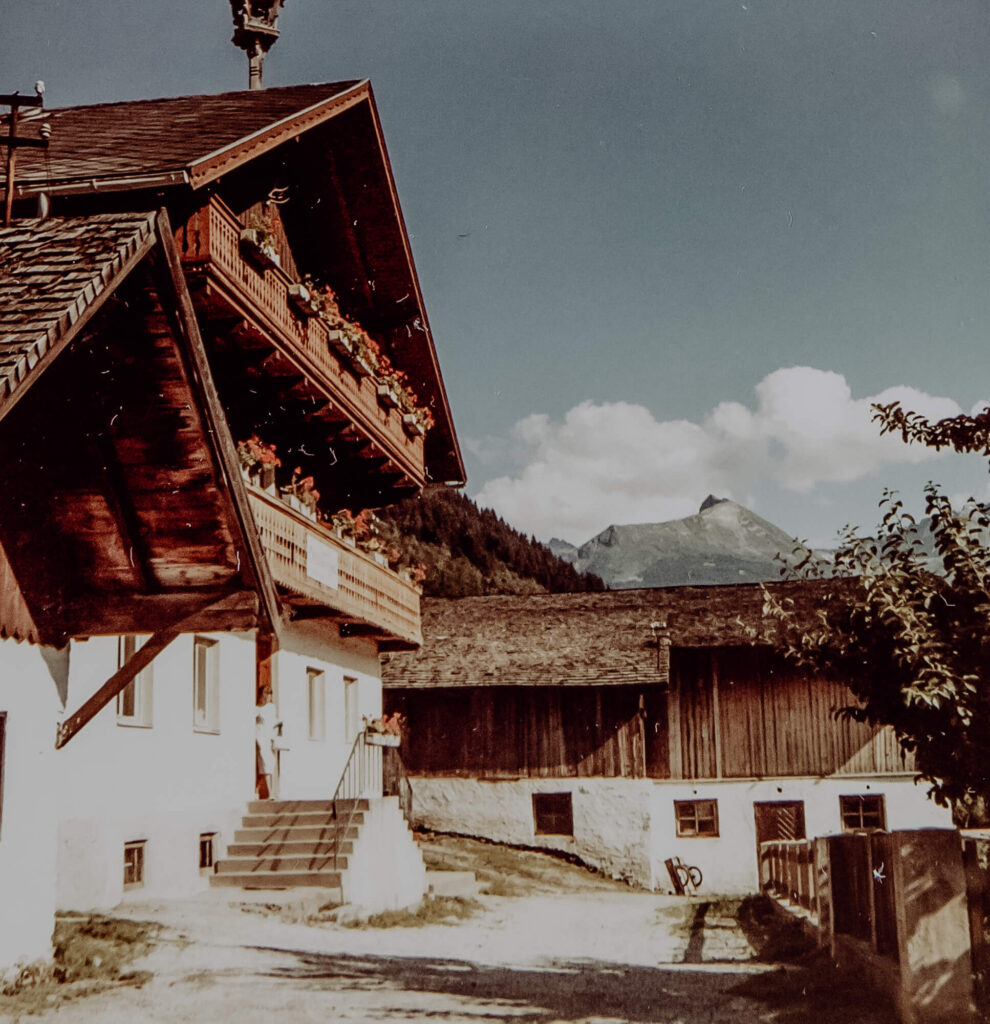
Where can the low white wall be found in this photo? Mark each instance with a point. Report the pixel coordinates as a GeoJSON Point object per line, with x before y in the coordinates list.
{"type": "Point", "coordinates": [386, 869]}
{"type": "Point", "coordinates": [166, 784]}
{"type": "Point", "coordinates": [611, 817]}
{"type": "Point", "coordinates": [309, 769]}
{"type": "Point", "coordinates": [729, 861]}
{"type": "Point", "coordinates": [627, 829]}
{"type": "Point", "coordinates": [30, 678]}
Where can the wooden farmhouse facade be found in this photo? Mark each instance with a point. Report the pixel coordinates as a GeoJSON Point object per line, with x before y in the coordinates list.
{"type": "Point", "coordinates": [634, 726]}
{"type": "Point", "coordinates": [212, 342]}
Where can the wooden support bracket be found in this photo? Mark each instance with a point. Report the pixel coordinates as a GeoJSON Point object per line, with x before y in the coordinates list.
{"type": "Point", "coordinates": [138, 661]}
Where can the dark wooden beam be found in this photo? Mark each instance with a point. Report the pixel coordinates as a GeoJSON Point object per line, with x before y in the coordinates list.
{"type": "Point", "coordinates": [124, 513]}
{"type": "Point", "coordinates": [254, 566]}
{"type": "Point", "coordinates": [388, 646]}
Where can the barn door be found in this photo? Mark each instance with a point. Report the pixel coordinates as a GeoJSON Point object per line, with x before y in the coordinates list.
{"type": "Point", "coordinates": [776, 821]}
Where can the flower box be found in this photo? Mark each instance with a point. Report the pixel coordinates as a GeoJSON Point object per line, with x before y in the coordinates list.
{"type": "Point", "coordinates": [382, 739]}
{"type": "Point", "coordinates": [340, 343]}
{"type": "Point", "coordinates": [387, 398]}
{"type": "Point", "coordinates": [412, 425]}
{"type": "Point", "coordinates": [257, 249]}
{"type": "Point", "coordinates": [380, 557]}
{"type": "Point", "coordinates": [301, 300]}
{"type": "Point", "coordinates": [359, 367]}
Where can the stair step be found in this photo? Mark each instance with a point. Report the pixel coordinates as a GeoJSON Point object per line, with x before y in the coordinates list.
{"type": "Point", "coordinates": [252, 865]}
{"type": "Point", "coordinates": [278, 879]}
{"type": "Point", "coordinates": [290, 849]}
{"type": "Point", "coordinates": [299, 819]}
{"type": "Point", "coordinates": [299, 834]}
{"type": "Point", "coordinates": [304, 806]}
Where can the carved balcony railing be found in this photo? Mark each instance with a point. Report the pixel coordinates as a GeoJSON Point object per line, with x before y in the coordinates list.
{"type": "Point", "coordinates": [320, 570]}
{"type": "Point", "coordinates": [260, 292]}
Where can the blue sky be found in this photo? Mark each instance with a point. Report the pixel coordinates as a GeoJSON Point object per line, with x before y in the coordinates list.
{"type": "Point", "coordinates": [667, 247]}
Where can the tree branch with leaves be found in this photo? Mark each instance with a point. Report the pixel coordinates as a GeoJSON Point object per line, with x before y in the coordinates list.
{"type": "Point", "coordinates": [906, 626]}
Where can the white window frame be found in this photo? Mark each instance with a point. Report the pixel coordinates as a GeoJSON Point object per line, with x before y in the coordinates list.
{"type": "Point", "coordinates": [138, 692]}
{"type": "Point", "coordinates": [352, 705]}
{"type": "Point", "coordinates": [140, 848]}
{"type": "Point", "coordinates": [3, 746]}
{"type": "Point", "coordinates": [316, 704]}
{"type": "Point", "coordinates": [206, 685]}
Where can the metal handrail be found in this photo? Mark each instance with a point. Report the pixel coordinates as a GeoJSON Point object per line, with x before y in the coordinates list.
{"type": "Point", "coordinates": [352, 786]}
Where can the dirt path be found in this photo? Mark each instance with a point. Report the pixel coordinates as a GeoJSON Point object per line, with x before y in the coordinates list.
{"type": "Point", "coordinates": [591, 952]}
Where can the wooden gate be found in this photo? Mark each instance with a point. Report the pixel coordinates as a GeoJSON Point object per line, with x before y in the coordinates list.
{"type": "Point", "coordinates": [776, 821]}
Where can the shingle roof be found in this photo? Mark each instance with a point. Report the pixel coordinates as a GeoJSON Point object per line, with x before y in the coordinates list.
{"type": "Point", "coordinates": [578, 639]}
{"type": "Point", "coordinates": [53, 274]}
{"type": "Point", "coordinates": [194, 136]}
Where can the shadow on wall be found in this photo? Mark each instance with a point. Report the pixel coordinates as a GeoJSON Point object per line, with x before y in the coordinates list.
{"type": "Point", "coordinates": [575, 991]}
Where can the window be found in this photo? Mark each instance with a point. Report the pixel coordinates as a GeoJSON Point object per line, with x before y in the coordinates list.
{"type": "Point", "coordinates": [553, 814]}
{"type": "Point", "coordinates": [696, 818]}
{"type": "Point", "coordinates": [862, 813]}
{"type": "Point", "coordinates": [3, 736]}
{"type": "Point", "coordinates": [134, 701]}
{"type": "Point", "coordinates": [350, 709]}
{"type": "Point", "coordinates": [316, 690]}
{"type": "Point", "coordinates": [134, 864]}
{"type": "Point", "coordinates": [206, 853]}
{"type": "Point", "coordinates": [206, 685]}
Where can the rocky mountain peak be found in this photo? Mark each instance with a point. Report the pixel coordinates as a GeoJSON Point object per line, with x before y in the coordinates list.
{"type": "Point", "coordinates": [710, 502]}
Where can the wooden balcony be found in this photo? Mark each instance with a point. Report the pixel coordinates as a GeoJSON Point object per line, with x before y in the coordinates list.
{"type": "Point", "coordinates": [323, 576]}
{"type": "Point", "coordinates": [227, 285]}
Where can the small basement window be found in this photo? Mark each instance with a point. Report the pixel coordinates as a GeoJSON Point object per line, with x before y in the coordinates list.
{"type": "Point", "coordinates": [206, 853]}
{"type": "Point", "coordinates": [553, 814]}
{"type": "Point", "coordinates": [134, 864]}
{"type": "Point", "coordinates": [696, 819]}
{"type": "Point", "coordinates": [863, 813]}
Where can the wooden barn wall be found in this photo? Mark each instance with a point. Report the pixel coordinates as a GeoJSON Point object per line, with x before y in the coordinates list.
{"type": "Point", "coordinates": [742, 713]}
{"type": "Point", "coordinates": [534, 731]}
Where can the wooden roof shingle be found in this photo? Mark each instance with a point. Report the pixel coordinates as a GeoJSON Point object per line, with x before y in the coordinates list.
{"type": "Point", "coordinates": [53, 274]}
{"type": "Point", "coordinates": [171, 141]}
{"type": "Point", "coordinates": [580, 639]}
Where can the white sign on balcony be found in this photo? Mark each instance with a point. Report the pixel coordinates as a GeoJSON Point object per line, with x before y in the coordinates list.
{"type": "Point", "coordinates": [322, 562]}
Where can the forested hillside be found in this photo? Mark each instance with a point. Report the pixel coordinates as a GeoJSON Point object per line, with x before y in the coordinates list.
{"type": "Point", "coordinates": [466, 550]}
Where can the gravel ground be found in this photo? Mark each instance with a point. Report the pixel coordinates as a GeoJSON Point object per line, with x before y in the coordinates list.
{"type": "Point", "coordinates": [590, 953]}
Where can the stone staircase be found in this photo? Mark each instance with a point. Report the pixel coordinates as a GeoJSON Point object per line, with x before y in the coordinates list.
{"type": "Point", "coordinates": [286, 844]}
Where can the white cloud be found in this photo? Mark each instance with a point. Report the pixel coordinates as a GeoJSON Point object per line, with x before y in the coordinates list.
{"type": "Point", "coordinates": [616, 463]}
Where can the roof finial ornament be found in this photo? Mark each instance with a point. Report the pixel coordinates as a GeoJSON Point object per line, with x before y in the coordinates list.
{"type": "Point", "coordinates": [255, 32]}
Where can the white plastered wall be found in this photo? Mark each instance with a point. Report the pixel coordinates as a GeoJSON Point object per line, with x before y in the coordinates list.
{"type": "Point", "coordinates": [385, 870]}
{"type": "Point", "coordinates": [729, 862]}
{"type": "Point", "coordinates": [611, 817]}
{"type": "Point", "coordinates": [30, 678]}
{"type": "Point", "coordinates": [166, 784]}
{"type": "Point", "coordinates": [309, 768]}
{"type": "Point", "coordinates": [627, 828]}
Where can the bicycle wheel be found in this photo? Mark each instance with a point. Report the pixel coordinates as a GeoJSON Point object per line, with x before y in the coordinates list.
{"type": "Point", "coordinates": [694, 874]}
{"type": "Point", "coordinates": [683, 876]}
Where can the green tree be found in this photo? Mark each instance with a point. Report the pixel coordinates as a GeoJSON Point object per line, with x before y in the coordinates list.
{"type": "Point", "coordinates": [911, 643]}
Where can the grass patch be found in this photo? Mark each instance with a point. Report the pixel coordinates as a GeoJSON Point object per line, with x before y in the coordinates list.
{"type": "Point", "coordinates": [433, 910]}
{"type": "Point", "coordinates": [504, 870]}
{"type": "Point", "coordinates": [91, 953]}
